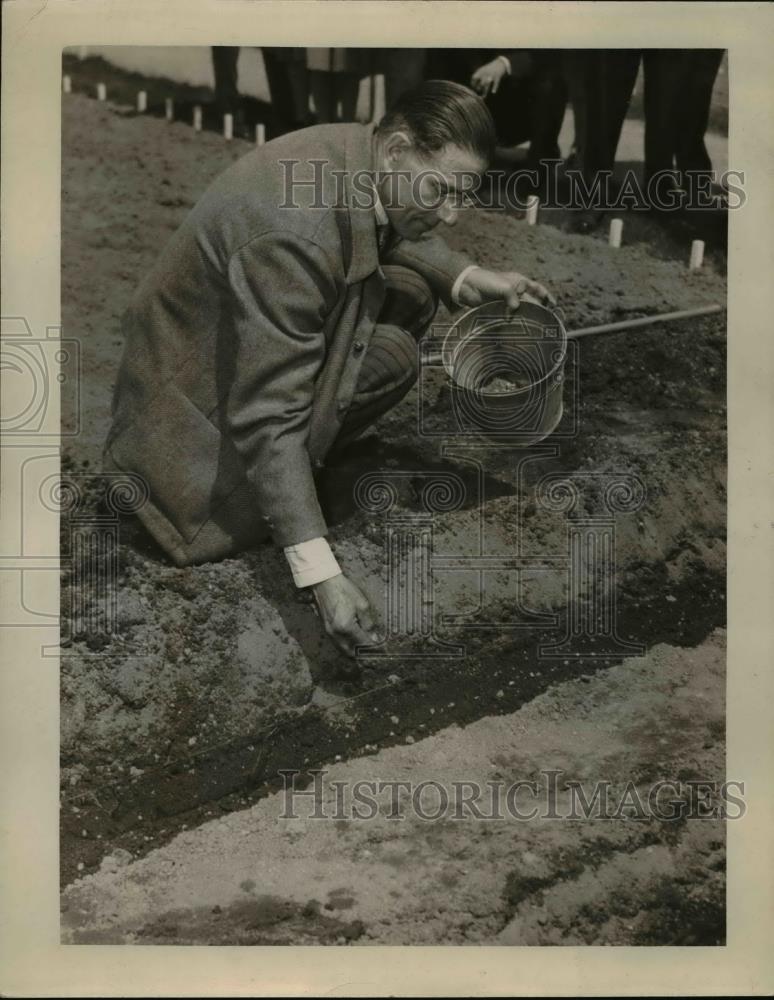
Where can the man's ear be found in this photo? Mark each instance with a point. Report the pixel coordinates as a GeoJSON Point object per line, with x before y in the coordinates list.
{"type": "Point", "coordinates": [396, 146]}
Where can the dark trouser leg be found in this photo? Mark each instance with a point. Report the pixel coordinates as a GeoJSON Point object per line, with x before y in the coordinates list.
{"type": "Point", "coordinates": [278, 74]}
{"type": "Point", "coordinates": [530, 107]}
{"type": "Point", "coordinates": [331, 87]}
{"type": "Point", "coordinates": [224, 66]}
{"type": "Point", "coordinates": [347, 89]}
{"type": "Point", "coordinates": [510, 109]}
{"type": "Point", "coordinates": [701, 69]}
{"type": "Point", "coordinates": [662, 72]}
{"type": "Point", "coordinates": [324, 95]}
{"type": "Point", "coordinates": [548, 100]}
{"type": "Point", "coordinates": [391, 364]}
{"type": "Point", "coordinates": [600, 86]}
{"type": "Point", "coordinates": [403, 70]}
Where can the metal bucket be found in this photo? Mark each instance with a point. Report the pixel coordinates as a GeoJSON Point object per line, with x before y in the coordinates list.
{"type": "Point", "coordinates": [507, 372]}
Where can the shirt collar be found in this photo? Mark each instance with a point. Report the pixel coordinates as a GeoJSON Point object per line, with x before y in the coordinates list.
{"type": "Point", "coordinates": [379, 210]}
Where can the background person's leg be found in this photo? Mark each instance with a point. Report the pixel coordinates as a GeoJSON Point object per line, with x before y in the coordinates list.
{"type": "Point", "coordinates": [288, 87]}
{"type": "Point", "coordinates": [403, 70]}
{"type": "Point", "coordinates": [662, 93]}
{"type": "Point", "coordinates": [224, 68]}
{"type": "Point", "coordinates": [600, 85]}
{"type": "Point", "coordinates": [347, 87]}
{"type": "Point", "coordinates": [548, 100]}
{"type": "Point", "coordinates": [323, 95]}
{"type": "Point", "coordinates": [620, 68]}
{"type": "Point", "coordinates": [700, 68]}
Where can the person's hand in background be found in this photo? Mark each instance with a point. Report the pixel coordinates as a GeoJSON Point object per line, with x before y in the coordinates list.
{"type": "Point", "coordinates": [487, 78]}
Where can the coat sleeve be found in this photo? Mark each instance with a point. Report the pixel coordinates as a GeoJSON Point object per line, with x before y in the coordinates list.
{"type": "Point", "coordinates": [431, 257]}
{"type": "Point", "coordinates": [282, 291]}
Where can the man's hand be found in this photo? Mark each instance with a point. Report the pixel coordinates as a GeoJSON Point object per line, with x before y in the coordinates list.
{"type": "Point", "coordinates": [346, 613]}
{"type": "Point", "coordinates": [487, 78]}
{"type": "Point", "coordinates": [482, 285]}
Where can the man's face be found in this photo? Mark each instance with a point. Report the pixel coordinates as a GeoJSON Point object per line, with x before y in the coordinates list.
{"type": "Point", "coordinates": [419, 192]}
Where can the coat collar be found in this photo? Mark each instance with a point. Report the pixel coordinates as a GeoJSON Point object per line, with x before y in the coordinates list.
{"type": "Point", "coordinates": [359, 159]}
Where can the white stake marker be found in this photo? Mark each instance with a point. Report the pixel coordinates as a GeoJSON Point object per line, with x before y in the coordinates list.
{"type": "Point", "coordinates": [197, 121]}
{"type": "Point", "coordinates": [169, 109]}
{"type": "Point", "coordinates": [616, 232]}
{"type": "Point", "coordinates": [142, 100]}
{"type": "Point", "coordinates": [67, 85]}
{"type": "Point", "coordinates": [101, 92]}
{"type": "Point", "coordinates": [532, 209]}
{"type": "Point", "coordinates": [228, 126]}
{"type": "Point", "coordinates": [697, 255]}
{"type": "Point", "coordinates": [260, 134]}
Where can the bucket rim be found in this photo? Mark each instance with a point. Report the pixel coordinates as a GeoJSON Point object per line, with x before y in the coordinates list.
{"type": "Point", "coordinates": [498, 321]}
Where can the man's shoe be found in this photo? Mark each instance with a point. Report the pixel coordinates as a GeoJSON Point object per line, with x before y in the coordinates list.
{"type": "Point", "coordinates": [585, 222]}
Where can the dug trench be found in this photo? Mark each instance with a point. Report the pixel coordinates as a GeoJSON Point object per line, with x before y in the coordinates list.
{"type": "Point", "coordinates": [146, 811]}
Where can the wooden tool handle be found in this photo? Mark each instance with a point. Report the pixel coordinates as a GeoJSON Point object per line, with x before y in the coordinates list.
{"type": "Point", "coordinates": [630, 324]}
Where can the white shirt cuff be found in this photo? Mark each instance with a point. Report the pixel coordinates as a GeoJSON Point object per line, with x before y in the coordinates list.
{"type": "Point", "coordinates": [458, 283]}
{"type": "Point", "coordinates": [507, 62]}
{"type": "Point", "coordinates": [311, 562]}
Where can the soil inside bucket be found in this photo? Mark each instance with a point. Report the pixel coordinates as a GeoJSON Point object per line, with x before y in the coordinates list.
{"type": "Point", "coordinates": [501, 385]}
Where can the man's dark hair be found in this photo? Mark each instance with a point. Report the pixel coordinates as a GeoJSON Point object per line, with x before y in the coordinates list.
{"type": "Point", "coordinates": [438, 113]}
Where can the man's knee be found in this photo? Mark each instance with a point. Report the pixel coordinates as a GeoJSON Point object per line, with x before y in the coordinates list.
{"type": "Point", "coordinates": [390, 364]}
{"type": "Point", "coordinates": [389, 370]}
{"type": "Point", "coordinates": [410, 303]}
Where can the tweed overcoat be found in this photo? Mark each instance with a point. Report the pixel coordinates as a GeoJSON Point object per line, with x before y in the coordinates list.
{"type": "Point", "coordinates": [244, 343]}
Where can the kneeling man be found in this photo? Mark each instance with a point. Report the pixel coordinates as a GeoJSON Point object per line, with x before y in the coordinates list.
{"type": "Point", "coordinates": [283, 318]}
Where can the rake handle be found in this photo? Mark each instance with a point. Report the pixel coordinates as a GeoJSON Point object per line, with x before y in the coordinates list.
{"type": "Point", "coordinates": [630, 324]}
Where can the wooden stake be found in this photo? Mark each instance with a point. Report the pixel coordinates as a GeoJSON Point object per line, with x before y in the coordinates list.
{"type": "Point", "coordinates": [532, 209]}
{"type": "Point", "coordinates": [616, 232]}
{"type": "Point", "coordinates": [260, 134]}
{"type": "Point", "coordinates": [169, 109]}
{"type": "Point", "coordinates": [197, 118]}
{"type": "Point", "coordinates": [228, 126]}
{"type": "Point", "coordinates": [67, 85]}
{"type": "Point", "coordinates": [142, 100]}
{"type": "Point", "coordinates": [101, 92]}
{"type": "Point", "coordinates": [697, 255]}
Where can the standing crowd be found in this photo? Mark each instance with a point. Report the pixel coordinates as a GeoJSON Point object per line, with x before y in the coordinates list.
{"type": "Point", "coordinates": [527, 92]}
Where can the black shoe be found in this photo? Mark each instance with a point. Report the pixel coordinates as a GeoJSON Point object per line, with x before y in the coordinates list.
{"type": "Point", "coordinates": [585, 222]}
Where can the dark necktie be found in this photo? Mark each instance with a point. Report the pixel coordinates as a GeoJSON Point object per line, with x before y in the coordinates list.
{"type": "Point", "coordinates": [382, 239]}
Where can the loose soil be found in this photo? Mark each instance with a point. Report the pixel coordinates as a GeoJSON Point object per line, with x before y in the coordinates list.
{"type": "Point", "coordinates": [176, 723]}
